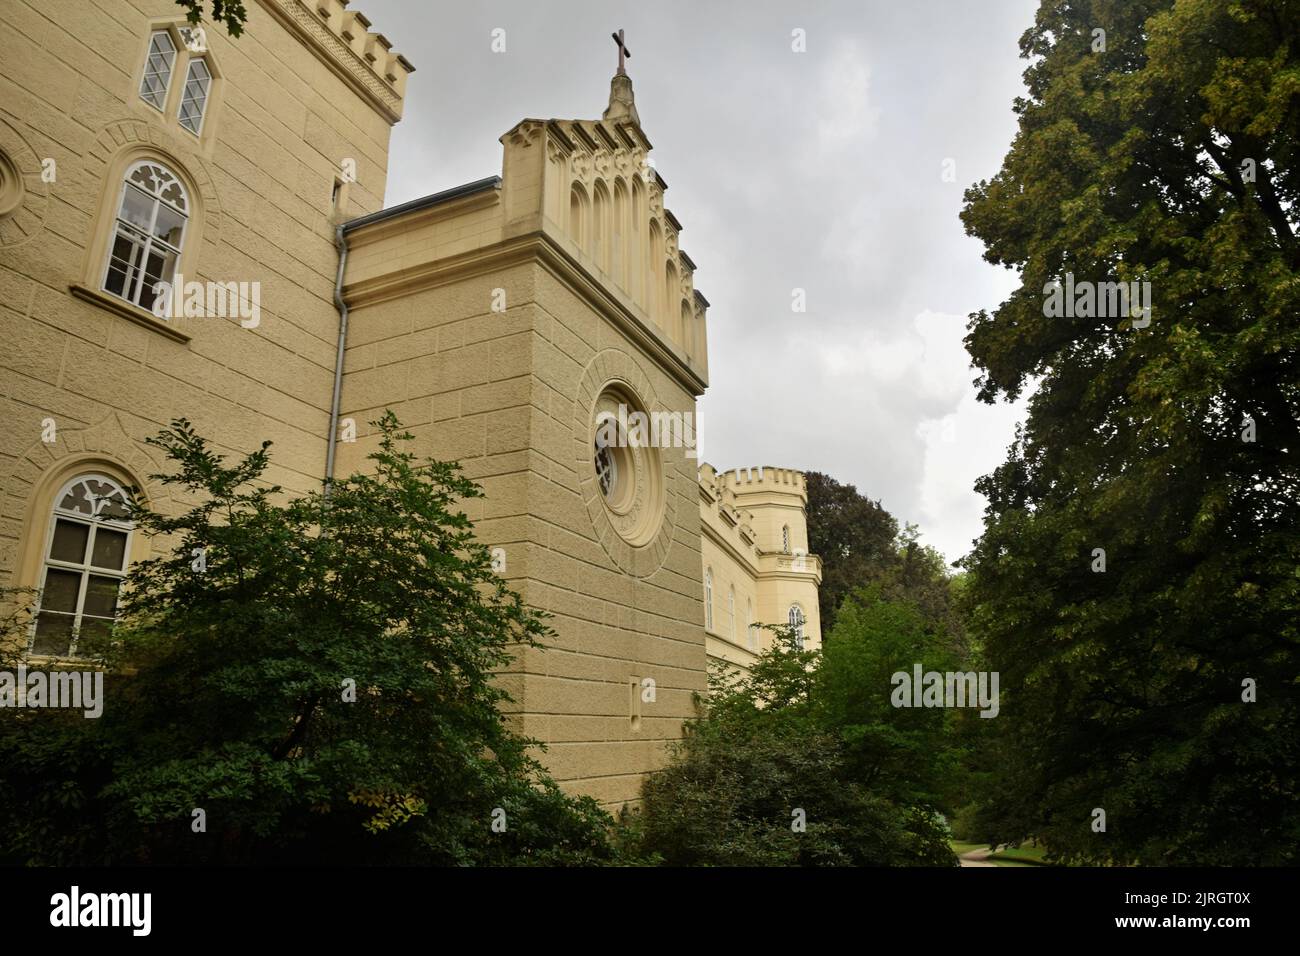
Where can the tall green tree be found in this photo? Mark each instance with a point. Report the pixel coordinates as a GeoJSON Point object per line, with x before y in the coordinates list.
{"type": "Point", "coordinates": [803, 762]}
{"type": "Point", "coordinates": [853, 536]}
{"type": "Point", "coordinates": [1139, 572]}
{"type": "Point", "coordinates": [908, 754]}
{"type": "Point", "coordinates": [861, 545]}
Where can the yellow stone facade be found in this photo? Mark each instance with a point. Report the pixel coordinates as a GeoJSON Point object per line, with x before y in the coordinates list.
{"type": "Point", "coordinates": [503, 321]}
{"type": "Point", "coordinates": [757, 569]}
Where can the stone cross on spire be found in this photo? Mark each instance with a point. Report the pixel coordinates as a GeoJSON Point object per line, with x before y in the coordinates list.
{"type": "Point", "coordinates": [622, 105]}
{"type": "Point", "coordinates": [622, 51]}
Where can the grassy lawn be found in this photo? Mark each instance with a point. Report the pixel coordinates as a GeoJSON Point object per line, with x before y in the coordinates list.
{"type": "Point", "coordinates": [1026, 855]}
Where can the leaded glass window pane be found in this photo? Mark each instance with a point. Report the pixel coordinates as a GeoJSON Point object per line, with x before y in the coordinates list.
{"type": "Point", "coordinates": [158, 70]}
{"type": "Point", "coordinates": [195, 97]}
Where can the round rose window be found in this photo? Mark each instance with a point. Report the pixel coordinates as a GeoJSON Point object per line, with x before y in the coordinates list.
{"type": "Point", "coordinates": [627, 465]}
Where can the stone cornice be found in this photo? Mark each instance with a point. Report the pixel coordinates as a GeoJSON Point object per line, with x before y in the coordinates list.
{"type": "Point", "coordinates": [744, 560]}
{"type": "Point", "coordinates": [580, 132]}
{"type": "Point", "coordinates": [730, 645]}
{"type": "Point", "coordinates": [610, 142]}
{"type": "Point", "coordinates": [639, 135]}
{"type": "Point", "coordinates": [404, 221]}
{"type": "Point", "coordinates": [558, 132]}
{"type": "Point", "coordinates": [623, 132]}
{"type": "Point", "coordinates": [331, 50]}
{"type": "Point", "coordinates": [781, 567]}
{"type": "Point", "coordinates": [536, 246]}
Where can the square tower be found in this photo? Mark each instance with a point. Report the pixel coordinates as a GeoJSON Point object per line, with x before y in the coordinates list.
{"type": "Point", "coordinates": [508, 322]}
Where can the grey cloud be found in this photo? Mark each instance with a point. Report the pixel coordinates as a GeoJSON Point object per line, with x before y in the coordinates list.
{"type": "Point", "coordinates": [818, 170]}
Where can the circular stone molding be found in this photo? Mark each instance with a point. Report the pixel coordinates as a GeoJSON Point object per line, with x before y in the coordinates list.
{"type": "Point", "coordinates": [11, 185]}
{"type": "Point", "coordinates": [24, 195]}
{"type": "Point", "coordinates": [623, 479]}
{"type": "Point", "coordinates": [629, 473]}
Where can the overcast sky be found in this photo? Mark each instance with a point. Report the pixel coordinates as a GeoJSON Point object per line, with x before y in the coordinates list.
{"type": "Point", "coordinates": [820, 170]}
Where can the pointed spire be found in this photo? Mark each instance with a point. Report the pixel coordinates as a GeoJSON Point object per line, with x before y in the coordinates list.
{"type": "Point", "coordinates": [622, 104]}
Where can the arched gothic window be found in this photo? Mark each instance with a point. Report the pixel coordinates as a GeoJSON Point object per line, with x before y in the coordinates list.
{"type": "Point", "coordinates": [150, 229]}
{"type": "Point", "coordinates": [797, 619]}
{"type": "Point", "coordinates": [618, 235]}
{"type": "Point", "coordinates": [600, 225]}
{"type": "Point", "coordinates": [657, 304]}
{"type": "Point", "coordinates": [578, 228]}
{"type": "Point", "coordinates": [86, 556]}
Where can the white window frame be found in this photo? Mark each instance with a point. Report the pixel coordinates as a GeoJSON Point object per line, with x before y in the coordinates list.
{"type": "Point", "coordinates": [143, 244]}
{"type": "Point", "coordinates": [161, 106]}
{"type": "Point", "coordinates": [708, 599]}
{"type": "Point", "coordinates": [195, 60]}
{"type": "Point", "coordinates": [85, 568]}
{"type": "Point", "coordinates": [797, 619]}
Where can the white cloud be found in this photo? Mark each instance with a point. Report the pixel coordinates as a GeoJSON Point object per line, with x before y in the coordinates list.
{"type": "Point", "coordinates": [959, 448]}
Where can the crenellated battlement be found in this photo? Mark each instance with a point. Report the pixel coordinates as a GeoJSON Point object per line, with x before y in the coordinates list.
{"type": "Point", "coordinates": [754, 549]}
{"type": "Point", "coordinates": [765, 478]}
{"type": "Point", "coordinates": [719, 506]}
{"type": "Point", "coordinates": [342, 39]}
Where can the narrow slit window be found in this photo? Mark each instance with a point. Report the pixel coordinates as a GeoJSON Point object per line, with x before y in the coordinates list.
{"type": "Point", "coordinates": [731, 610]}
{"type": "Point", "coordinates": [634, 702]}
{"type": "Point", "coordinates": [158, 70]}
{"type": "Point", "coordinates": [708, 599]}
{"type": "Point", "coordinates": [197, 81]}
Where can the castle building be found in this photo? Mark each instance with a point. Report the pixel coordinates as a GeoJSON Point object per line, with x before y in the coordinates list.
{"type": "Point", "coordinates": [757, 569]}
{"type": "Point", "coordinates": [508, 322]}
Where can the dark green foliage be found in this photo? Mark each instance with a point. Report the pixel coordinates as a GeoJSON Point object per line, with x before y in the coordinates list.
{"type": "Point", "coordinates": [773, 749]}
{"type": "Point", "coordinates": [853, 535]}
{"type": "Point", "coordinates": [315, 674]}
{"type": "Point", "coordinates": [730, 797]}
{"type": "Point", "coordinates": [860, 545]}
{"type": "Point", "coordinates": [906, 754]}
{"type": "Point", "coordinates": [1123, 690]}
{"type": "Point", "coordinates": [229, 13]}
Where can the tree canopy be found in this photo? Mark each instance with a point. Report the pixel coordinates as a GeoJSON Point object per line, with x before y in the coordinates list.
{"type": "Point", "coordinates": [229, 13]}
{"type": "Point", "coordinates": [803, 762]}
{"type": "Point", "coordinates": [860, 544]}
{"type": "Point", "coordinates": [1137, 580]}
{"type": "Point", "coordinates": [314, 674]}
